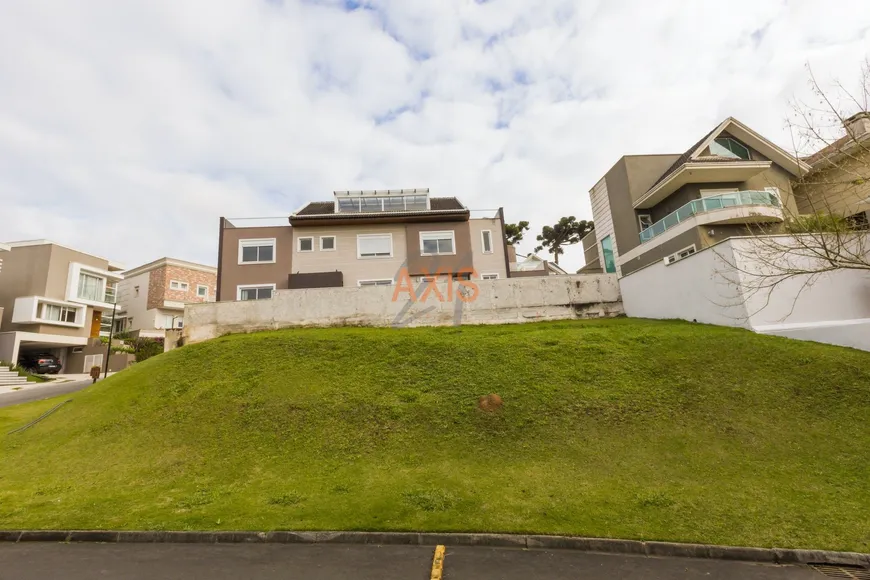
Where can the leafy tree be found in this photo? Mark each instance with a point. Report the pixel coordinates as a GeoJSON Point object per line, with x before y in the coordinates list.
{"type": "Point", "coordinates": [567, 232]}
{"type": "Point", "coordinates": [513, 233]}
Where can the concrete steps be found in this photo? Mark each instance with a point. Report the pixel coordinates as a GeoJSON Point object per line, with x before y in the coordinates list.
{"type": "Point", "coordinates": [10, 378]}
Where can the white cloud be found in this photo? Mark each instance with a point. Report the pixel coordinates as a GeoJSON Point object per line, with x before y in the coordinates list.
{"type": "Point", "coordinates": [128, 128]}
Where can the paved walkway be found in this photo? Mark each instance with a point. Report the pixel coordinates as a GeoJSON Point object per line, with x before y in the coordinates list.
{"type": "Point", "coordinates": [39, 391]}
{"type": "Point", "coordinates": [31, 561]}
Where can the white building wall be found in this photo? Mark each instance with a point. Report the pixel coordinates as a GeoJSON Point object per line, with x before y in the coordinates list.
{"type": "Point", "coordinates": [135, 306]}
{"type": "Point", "coordinates": [603, 220]}
{"type": "Point", "coordinates": [705, 287]}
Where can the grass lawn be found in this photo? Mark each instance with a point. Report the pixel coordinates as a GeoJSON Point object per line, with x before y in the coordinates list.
{"type": "Point", "coordinates": [618, 428]}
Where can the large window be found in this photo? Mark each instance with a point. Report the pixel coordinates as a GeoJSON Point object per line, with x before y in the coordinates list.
{"type": "Point", "coordinates": [59, 313]}
{"type": "Point", "coordinates": [374, 245]}
{"type": "Point", "coordinates": [257, 251]}
{"type": "Point", "coordinates": [728, 147]}
{"type": "Point", "coordinates": [91, 287]}
{"type": "Point", "coordinates": [263, 292]}
{"type": "Point", "coordinates": [607, 251]}
{"type": "Point", "coordinates": [437, 243]}
{"type": "Point", "coordinates": [486, 237]}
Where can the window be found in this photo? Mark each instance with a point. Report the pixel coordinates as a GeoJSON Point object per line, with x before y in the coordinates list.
{"type": "Point", "coordinates": [257, 251]}
{"type": "Point", "coordinates": [327, 243]}
{"type": "Point", "coordinates": [436, 243]}
{"type": "Point", "coordinates": [775, 192]}
{"type": "Point", "coordinates": [684, 253]}
{"type": "Point", "coordinates": [374, 245]}
{"type": "Point", "coordinates": [728, 147]}
{"type": "Point", "coordinates": [202, 291]}
{"type": "Point", "coordinates": [489, 276]}
{"type": "Point", "coordinates": [59, 313]}
{"type": "Point", "coordinates": [384, 282]}
{"type": "Point", "coordinates": [486, 236]}
{"type": "Point", "coordinates": [90, 287]}
{"type": "Point", "coordinates": [263, 292]}
{"type": "Point", "coordinates": [607, 251]}
{"type": "Point", "coordinates": [180, 286]}
{"type": "Point", "coordinates": [305, 245]}
{"type": "Point", "coordinates": [644, 220]}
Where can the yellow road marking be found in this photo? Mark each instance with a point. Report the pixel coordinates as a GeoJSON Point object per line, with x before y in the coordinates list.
{"type": "Point", "coordinates": [438, 563]}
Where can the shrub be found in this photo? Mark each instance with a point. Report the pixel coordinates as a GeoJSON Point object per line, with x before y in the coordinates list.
{"type": "Point", "coordinates": [145, 348]}
{"type": "Point", "coordinates": [816, 223]}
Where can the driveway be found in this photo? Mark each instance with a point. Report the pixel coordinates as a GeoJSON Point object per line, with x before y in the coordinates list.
{"type": "Point", "coordinates": [31, 561]}
{"type": "Point", "coordinates": [39, 391]}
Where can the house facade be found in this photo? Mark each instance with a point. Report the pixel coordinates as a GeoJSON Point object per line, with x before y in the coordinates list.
{"type": "Point", "coordinates": [699, 235]}
{"type": "Point", "coordinates": [361, 238]}
{"type": "Point", "coordinates": [55, 300]}
{"type": "Point", "coordinates": [649, 208]}
{"type": "Point", "coordinates": [152, 296]}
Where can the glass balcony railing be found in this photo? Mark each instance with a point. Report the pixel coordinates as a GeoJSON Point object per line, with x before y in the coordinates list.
{"type": "Point", "coordinates": [705, 204]}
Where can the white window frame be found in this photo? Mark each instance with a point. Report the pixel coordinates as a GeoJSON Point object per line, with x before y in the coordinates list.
{"type": "Point", "coordinates": [775, 191]}
{"type": "Point", "coordinates": [334, 244]}
{"type": "Point", "coordinates": [675, 257]}
{"type": "Point", "coordinates": [359, 255]}
{"type": "Point", "coordinates": [490, 276]}
{"type": "Point", "coordinates": [360, 284]}
{"type": "Point", "coordinates": [254, 242]}
{"type": "Point", "coordinates": [483, 242]}
{"type": "Point", "coordinates": [43, 306]}
{"type": "Point", "coordinates": [179, 286]}
{"type": "Point", "coordinates": [640, 221]}
{"type": "Point", "coordinates": [200, 286]}
{"type": "Point", "coordinates": [299, 244]}
{"type": "Point", "coordinates": [241, 287]}
{"type": "Point", "coordinates": [438, 235]}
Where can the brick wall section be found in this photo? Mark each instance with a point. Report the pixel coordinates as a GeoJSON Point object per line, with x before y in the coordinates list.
{"type": "Point", "coordinates": [159, 290]}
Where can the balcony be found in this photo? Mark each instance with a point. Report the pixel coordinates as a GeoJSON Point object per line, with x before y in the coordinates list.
{"type": "Point", "coordinates": [713, 203]}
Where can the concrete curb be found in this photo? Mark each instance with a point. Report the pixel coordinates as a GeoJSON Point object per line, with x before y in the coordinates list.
{"type": "Point", "coordinates": [600, 545]}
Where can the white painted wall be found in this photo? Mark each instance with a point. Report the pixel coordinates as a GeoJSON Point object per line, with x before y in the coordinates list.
{"type": "Point", "coordinates": [705, 287]}
{"type": "Point", "coordinates": [603, 220]}
{"type": "Point", "coordinates": [501, 301]}
{"type": "Point", "coordinates": [136, 306]}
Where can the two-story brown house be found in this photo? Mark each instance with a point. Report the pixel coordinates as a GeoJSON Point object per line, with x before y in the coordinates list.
{"type": "Point", "coordinates": [361, 238]}
{"type": "Point", "coordinates": [55, 300]}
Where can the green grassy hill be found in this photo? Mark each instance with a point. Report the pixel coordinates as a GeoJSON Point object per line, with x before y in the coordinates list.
{"type": "Point", "coordinates": [621, 428]}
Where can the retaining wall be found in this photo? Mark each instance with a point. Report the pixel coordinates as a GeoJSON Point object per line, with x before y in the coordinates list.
{"type": "Point", "coordinates": [502, 301]}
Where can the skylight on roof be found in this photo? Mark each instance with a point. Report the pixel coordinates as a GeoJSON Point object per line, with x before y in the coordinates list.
{"type": "Point", "coordinates": [382, 203]}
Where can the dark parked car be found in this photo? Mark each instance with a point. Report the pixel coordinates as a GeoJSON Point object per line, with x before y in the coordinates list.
{"type": "Point", "coordinates": [40, 363]}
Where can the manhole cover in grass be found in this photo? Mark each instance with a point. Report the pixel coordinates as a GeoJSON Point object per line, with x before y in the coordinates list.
{"type": "Point", "coordinates": [842, 571]}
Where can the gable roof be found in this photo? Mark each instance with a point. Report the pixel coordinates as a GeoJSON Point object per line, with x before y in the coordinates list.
{"type": "Point", "coordinates": [693, 158]}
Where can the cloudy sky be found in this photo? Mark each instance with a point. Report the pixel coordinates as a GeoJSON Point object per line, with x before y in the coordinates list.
{"type": "Point", "coordinates": [127, 128]}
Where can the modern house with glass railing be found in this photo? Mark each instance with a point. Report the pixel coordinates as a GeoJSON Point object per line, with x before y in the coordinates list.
{"type": "Point", "coordinates": [664, 208]}
{"type": "Point", "coordinates": [54, 299]}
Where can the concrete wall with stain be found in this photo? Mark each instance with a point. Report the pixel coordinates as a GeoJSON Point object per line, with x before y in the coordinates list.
{"type": "Point", "coordinates": [502, 301]}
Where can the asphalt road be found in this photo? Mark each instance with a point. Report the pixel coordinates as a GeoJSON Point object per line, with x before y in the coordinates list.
{"type": "Point", "coordinates": [41, 391]}
{"type": "Point", "coordinates": [31, 561]}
